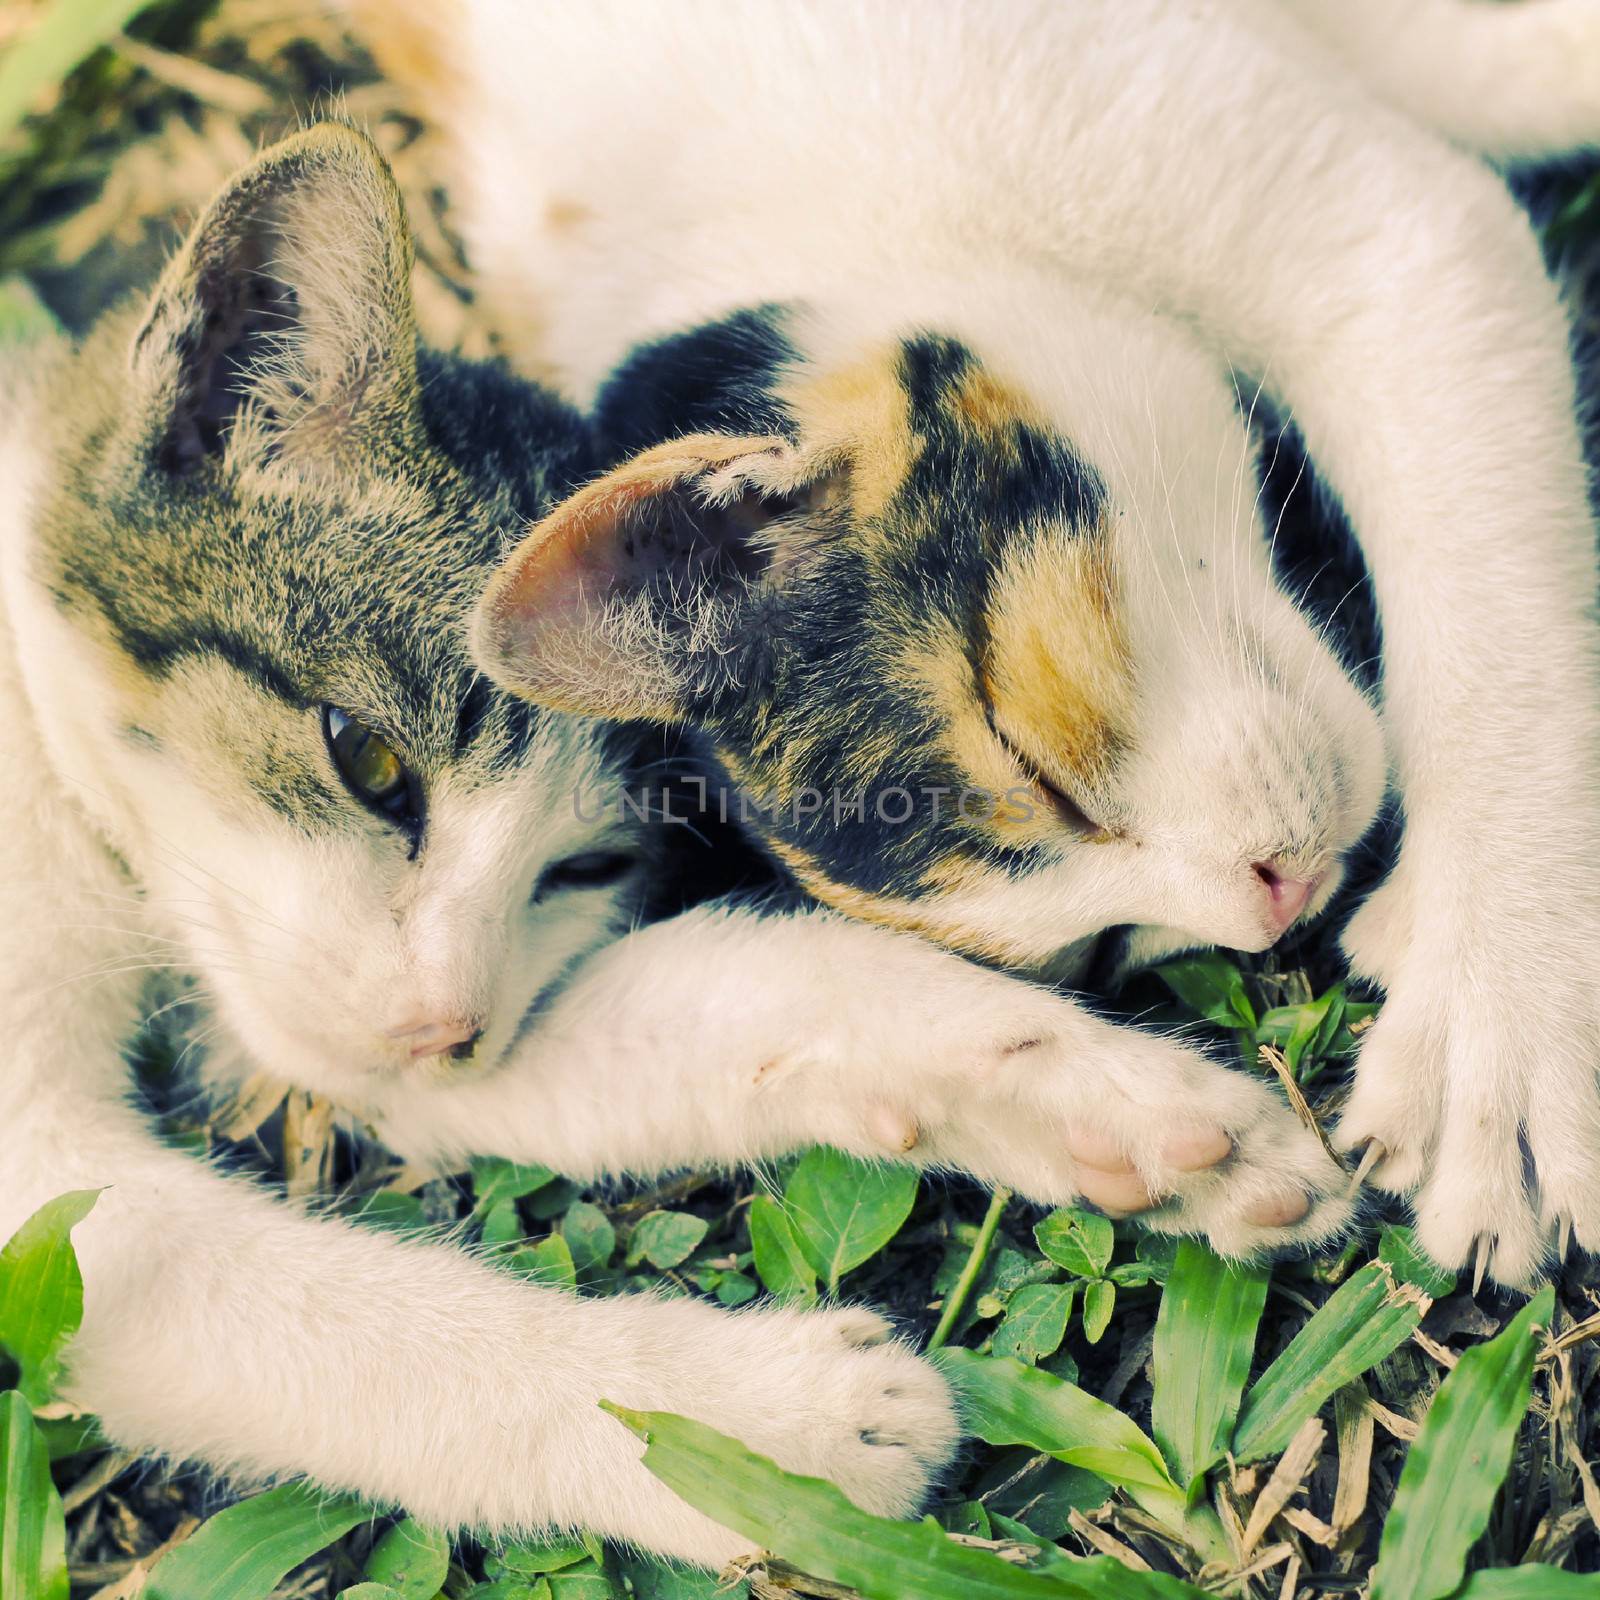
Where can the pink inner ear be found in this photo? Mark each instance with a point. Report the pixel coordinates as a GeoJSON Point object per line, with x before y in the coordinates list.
{"type": "Point", "coordinates": [579, 559]}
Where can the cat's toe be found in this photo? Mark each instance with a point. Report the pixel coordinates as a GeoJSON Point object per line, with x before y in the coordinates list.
{"type": "Point", "coordinates": [1486, 1114]}
{"type": "Point", "coordinates": [1277, 1189]}
{"type": "Point", "coordinates": [1391, 1123]}
{"type": "Point", "coordinates": [893, 1430]}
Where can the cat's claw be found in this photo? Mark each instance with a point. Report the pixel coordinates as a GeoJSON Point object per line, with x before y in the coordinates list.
{"type": "Point", "coordinates": [1372, 1152]}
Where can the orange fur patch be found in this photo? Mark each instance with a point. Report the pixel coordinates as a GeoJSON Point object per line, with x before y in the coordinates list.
{"type": "Point", "coordinates": [858, 416]}
{"type": "Point", "coordinates": [990, 408]}
{"type": "Point", "coordinates": [1059, 674]}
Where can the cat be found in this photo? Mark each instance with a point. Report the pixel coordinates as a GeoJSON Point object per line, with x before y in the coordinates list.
{"type": "Point", "coordinates": [247, 522]}
{"type": "Point", "coordinates": [928, 320]}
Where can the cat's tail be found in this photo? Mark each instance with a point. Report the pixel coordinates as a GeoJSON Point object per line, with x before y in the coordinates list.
{"type": "Point", "coordinates": [1515, 80]}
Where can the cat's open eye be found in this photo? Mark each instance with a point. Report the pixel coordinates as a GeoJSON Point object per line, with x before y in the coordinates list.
{"type": "Point", "coordinates": [374, 774]}
{"type": "Point", "coordinates": [591, 869]}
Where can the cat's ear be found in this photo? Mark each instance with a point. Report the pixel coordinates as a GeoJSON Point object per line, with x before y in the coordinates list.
{"type": "Point", "coordinates": [289, 304]}
{"type": "Point", "coordinates": [638, 597]}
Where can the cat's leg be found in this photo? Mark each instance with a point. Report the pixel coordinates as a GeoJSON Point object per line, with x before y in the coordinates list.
{"type": "Point", "coordinates": [728, 1035]}
{"type": "Point", "coordinates": [1395, 298]}
{"type": "Point", "coordinates": [225, 1327]}
{"type": "Point", "coordinates": [1515, 81]}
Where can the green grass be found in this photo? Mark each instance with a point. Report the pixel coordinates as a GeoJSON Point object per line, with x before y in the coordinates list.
{"type": "Point", "coordinates": [1328, 1424]}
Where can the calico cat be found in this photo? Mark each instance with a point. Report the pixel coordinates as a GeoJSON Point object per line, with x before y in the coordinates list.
{"type": "Point", "coordinates": [245, 526]}
{"type": "Point", "coordinates": [929, 318]}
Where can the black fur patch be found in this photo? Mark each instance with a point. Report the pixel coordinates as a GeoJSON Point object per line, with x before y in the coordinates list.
{"type": "Point", "coordinates": [842, 762]}
{"type": "Point", "coordinates": [718, 378]}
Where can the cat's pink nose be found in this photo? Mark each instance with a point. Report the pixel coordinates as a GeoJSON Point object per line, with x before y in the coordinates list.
{"type": "Point", "coordinates": [1287, 896]}
{"type": "Point", "coordinates": [436, 1036]}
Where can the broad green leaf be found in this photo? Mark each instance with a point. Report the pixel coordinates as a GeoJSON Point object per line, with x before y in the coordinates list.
{"type": "Point", "coordinates": [510, 1589]}
{"type": "Point", "coordinates": [1532, 1582]}
{"type": "Point", "coordinates": [583, 1586]}
{"type": "Point", "coordinates": [665, 1239]}
{"type": "Point", "coordinates": [843, 1211]}
{"type": "Point", "coordinates": [1454, 1467]}
{"type": "Point", "coordinates": [1099, 1301]}
{"type": "Point", "coordinates": [779, 1259]}
{"type": "Point", "coordinates": [811, 1524]}
{"type": "Point", "coordinates": [33, 1530]}
{"type": "Point", "coordinates": [41, 1291]}
{"type": "Point", "coordinates": [1079, 1240]}
{"type": "Point", "coordinates": [1007, 1403]}
{"type": "Point", "coordinates": [393, 1213]}
{"type": "Point", "coordinates": [374, 1591]}
{"type": "Point", "coordinates": [550, 1261]}
{"type": "Point", "coordinates": [1366, 1318]}
{"type": "Point", "coordinates": [495, 1179]}
{"type": "Point", "coordinates": [411, 1559]}
{"type": "Point", "coordinates": [965, 1517]}
{"type": "Point", "coordinates": [1042, 1498]}
{"type": "Point", "coordinates": [531, 1560]}
{"type": "Point", "coordinates": [1036, 1321]}
{"type": "Point", "coordinates": [245, 1551]}
{"type": "Point", "coordinates": [501, 1224]}
{"type": "Point", "coordinates": [47, 52]}
{"type": "Point", "coordinates": [735, 1289]}
{"type": "Point", "coordinates": [1410, 1263]}
{"type": "Point", "coordinates": [589, 1235]}
{"type": "Point", "coordinates": [655, 1580]}
{"type": "Point", "coordinates": [1303, 1031]}
{"type": "Point", "coordinates": [1212, 986]}
{"type": "Point", "coordinates": [1205, 1337]}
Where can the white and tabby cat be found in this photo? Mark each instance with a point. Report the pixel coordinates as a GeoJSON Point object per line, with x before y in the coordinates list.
{"type": "Point", "coordinates": [244, 527]}
{"type": "Point", "coordinates": [946, 301]}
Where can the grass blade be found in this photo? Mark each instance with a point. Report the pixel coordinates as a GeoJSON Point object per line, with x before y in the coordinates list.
{"type": "Point", "coordinates": [1006, 1402]}
{"type": "Point", "coordinates": [1369, 1315]}
{"type": "Point", "coordinates": [1205, 1337]}
{"type": "Point", "coordinates": [41, 1291]}
{"type": "Point", "coordinates": [245, 1551]}
{"type": "Point", "coordinates": [410, 1559]}
{"type": "Point", "coordinates": [1532, 1582]}
{"type": "Point", "coordinates": [782, 1268]}
{"type": "Point", "coordinates": [33, 1529]}
{"type": "Point", "coordinates": [811, 1523]}
{"type": "Point", "coordinates": [843, 1210]}
{"type": "Point", "coordinates": [1454, 1469]}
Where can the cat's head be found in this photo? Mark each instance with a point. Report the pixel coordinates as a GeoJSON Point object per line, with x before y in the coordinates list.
{"type": "Point", "coordinates": [993, 649]}
{"type": "Point", "coordinates": [259, 519]}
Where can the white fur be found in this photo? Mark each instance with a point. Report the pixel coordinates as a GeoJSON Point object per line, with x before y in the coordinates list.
{"type": "Point", "coordinates": [810, 1028]}
{"type": "Point", "coordinates": [1303, 211]}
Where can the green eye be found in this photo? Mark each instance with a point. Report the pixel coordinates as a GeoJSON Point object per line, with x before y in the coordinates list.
{"type": "Point", "coordinates": [375, 774]}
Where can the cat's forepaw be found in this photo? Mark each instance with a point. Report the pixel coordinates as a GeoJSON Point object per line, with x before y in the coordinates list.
{"type": "Point", "coordinates": [1137, 1125]}
{"type": "Point", "coordinates": [1476, 1093]}
{"type": "Point", "coordinates": [830, 1394]}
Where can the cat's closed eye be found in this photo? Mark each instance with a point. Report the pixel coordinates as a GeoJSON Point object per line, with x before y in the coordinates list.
{"type": "Point", "coordinates": [371, 770]}
{"type": "Point", "coordinates": [590, 869]}
{"type": "Point", "coordinates": [1058, 800]}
